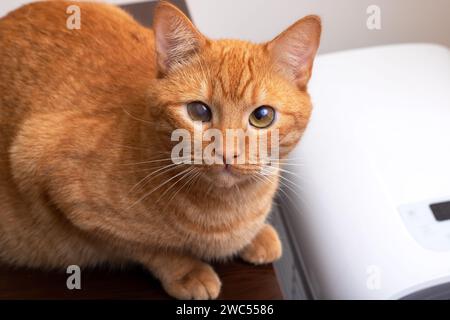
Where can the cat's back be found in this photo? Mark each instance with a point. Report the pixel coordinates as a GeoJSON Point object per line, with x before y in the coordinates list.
{"type": "Point", "coordinates": [53, 72]}
{"type": "Point", "coordinates": [47, 64]}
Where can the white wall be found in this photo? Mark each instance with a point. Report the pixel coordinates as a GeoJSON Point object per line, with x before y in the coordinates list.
{"type": "Point", "coordinates": [6, 6]}
{"type": "Point", "coordinates": [344, 21]}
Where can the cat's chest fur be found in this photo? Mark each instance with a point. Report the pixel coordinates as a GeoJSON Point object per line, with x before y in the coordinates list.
{"type": "Point", "coordinates": [219, 229]}
{"type": "Point", "coordinates": [211, 225]}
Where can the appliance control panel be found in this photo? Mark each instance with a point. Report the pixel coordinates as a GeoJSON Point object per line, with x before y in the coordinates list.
{"type": "Point", "coordinates": [429, 223]}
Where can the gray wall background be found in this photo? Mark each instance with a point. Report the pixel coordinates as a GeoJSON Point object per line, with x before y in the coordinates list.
{"type": "Point", "coordinates": [344, 21]}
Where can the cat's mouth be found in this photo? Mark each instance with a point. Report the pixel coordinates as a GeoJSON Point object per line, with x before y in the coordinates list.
{"type": "Point", "coordinates": [232, 169]}
{"type": "Point", "coordinates": [228, 175]}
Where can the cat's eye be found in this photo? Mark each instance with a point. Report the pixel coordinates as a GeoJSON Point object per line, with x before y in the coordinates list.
{"type": "Point", "coordinates": [262, 117]}
{"type": "Point", "coordinates": [199, 111]}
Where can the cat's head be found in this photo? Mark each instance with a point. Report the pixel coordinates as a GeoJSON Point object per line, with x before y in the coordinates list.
{"type": "Point", "coordinates": [231, 84]}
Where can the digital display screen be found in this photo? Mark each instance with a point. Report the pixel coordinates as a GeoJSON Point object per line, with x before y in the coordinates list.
{"type": "Point", "coordinates": [441, 210]}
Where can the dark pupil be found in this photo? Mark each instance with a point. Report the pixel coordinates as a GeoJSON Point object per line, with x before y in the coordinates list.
{"type": "Point", "coordinates": [201, 110]}
{"type": "Point", "coordinates": [261, 113]}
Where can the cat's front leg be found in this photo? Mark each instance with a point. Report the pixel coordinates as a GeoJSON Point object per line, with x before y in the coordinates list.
{"type": "Point", "coordinates": [183, 276]}
{"type": "Point", "coordinates": [264, 248]}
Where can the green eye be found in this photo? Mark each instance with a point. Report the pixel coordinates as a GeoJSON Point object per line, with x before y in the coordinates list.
{"type": "Point", "coordinates": [262, 117]}
{"type": "Point", "coordinates": [199, 111]}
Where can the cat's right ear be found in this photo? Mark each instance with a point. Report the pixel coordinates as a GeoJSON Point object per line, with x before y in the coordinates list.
{"type": "Point", "coordinates": [293, 51]}
{"type": "Point", "coordinates": [176, 38]}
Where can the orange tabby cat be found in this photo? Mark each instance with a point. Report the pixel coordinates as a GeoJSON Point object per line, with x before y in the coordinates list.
{"type": "Point", "coordinates": [86, 117]}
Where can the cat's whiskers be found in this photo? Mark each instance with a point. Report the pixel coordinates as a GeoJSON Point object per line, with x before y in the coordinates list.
{"type": "Point", "coordinates": [277, 168]}
{"type": "Point", "coordinates": [156, 188]}
{"type": "Point", "coordinates": [299, 188]}
{"type": "Point", "coordinates": [136, 118]}
{"type": "Point", "coordinates": [128, 147]}
{"type": "Point", "coordinates": [287, 179]}
{"type": "Point", "coordinates": [282, 179]}
{"type": "Point", "coordinates": [273, 173]}
{"type": "Point", "coordinates": [154, 174]}
{"type": "Point", "coordinates": [262, 179]}
{"type": "Point", "coordinates": [193, 174]}
{"type": "Point", "coordinates": [286, 160]}
{"type": "Point", "coordinates": [280, 189]}
{"type": "Point", "coordinates": [288, 164]}
{"type": "Point", "coordinates": [187, 174]}
{"type": "Point", "coordinates": [151, 161]}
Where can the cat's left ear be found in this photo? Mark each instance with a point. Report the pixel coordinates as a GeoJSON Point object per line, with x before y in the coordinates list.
{"type": "Point", "coordinates": [293, 51]}
{"type": "Point", "coordinates": [176, 38]}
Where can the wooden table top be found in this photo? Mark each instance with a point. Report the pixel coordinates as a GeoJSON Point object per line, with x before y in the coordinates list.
{"type": "Point", "coordinates": [239, 281]}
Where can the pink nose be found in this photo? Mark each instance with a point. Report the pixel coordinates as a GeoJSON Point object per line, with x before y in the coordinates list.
{"type": "Point", "coordinates": [230, 160]}
{"type": "Point", "coordinates": [227, 160]}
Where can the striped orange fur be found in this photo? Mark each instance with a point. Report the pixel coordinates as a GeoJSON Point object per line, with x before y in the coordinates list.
{"type": "Point", "coordinates": [85, 123]}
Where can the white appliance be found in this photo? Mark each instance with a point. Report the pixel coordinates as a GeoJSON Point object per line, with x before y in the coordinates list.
{"type": "Point", "coordinates": [369, 214]}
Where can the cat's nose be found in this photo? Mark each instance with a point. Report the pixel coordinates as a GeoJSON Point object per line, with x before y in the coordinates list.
{"type": "Point", "coordinates": [229, 159]}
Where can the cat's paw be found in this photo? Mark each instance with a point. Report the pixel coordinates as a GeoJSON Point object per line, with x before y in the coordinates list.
{"type": "Point", "coordinates": [199, 283]}
{"type": "Point", "coordinates": [264, 248]}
